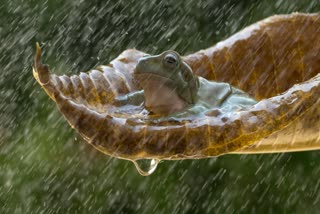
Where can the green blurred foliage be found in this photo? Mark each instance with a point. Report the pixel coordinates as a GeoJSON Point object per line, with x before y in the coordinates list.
{"type": "Point", "coordinates": [46, 168]}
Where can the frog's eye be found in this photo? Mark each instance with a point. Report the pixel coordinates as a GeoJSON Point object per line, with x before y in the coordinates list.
{"type": "Point", "coordinates": [171, 60]}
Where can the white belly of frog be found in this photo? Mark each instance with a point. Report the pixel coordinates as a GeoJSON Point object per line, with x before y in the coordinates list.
{"type": "Point", "coordinates": [161, 99]}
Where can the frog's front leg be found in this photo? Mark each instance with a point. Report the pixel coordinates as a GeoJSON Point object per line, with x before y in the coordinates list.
{"type": "Point", "coordinates": [134, 98]}
{"type": "Point", "coordinates": [189, 112]}
{"type": "Point", "coordinates": [238, 101]}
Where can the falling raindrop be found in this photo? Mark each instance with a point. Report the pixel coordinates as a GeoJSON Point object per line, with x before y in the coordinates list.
{"type": "Point", "coordinates": [146, 166]}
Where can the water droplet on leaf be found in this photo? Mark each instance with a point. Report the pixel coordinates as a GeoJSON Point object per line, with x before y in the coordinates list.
{"type": "Point", "coordinates": [146, 166]}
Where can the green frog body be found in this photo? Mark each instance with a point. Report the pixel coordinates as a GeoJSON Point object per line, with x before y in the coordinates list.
{"type": "Point", "coordinates": [171, 88]}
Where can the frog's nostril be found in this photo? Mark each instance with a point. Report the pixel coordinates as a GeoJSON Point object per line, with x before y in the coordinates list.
{"type": "Point", "coordinates": [140, 60]}
{"type": "Point", "coordinates": [140, 65]}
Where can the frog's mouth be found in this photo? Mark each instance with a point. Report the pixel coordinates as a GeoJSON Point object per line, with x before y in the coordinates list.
{"type": "Point", "coordinates": [145, 78]}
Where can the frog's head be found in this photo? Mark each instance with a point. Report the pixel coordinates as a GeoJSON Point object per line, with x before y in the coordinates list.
{"type": "Point", "coordinates": [168, 82]}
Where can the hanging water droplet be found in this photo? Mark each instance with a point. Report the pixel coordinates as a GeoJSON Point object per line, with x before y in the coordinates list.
{"type": "Point", "coordinates": [146, 166]}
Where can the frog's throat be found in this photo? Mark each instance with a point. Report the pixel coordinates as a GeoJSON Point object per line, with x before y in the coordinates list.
{"type": "Point", "coordinates": [148, 81]}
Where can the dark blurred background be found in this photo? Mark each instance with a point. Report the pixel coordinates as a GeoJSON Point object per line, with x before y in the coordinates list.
{"type": "Point", "coordinates": [46, 168]}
